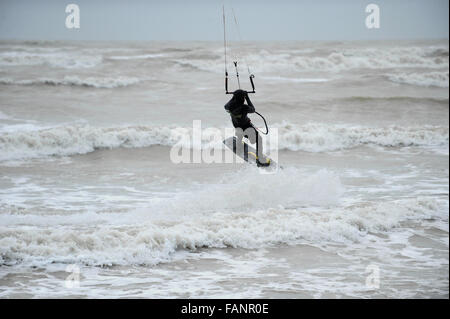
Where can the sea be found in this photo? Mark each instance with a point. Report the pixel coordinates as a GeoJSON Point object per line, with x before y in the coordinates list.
{"type": "Point", "coordinates": [94, 204]}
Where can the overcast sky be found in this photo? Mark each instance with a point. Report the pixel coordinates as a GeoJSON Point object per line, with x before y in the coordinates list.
{"type": "Point", "coordinates": [202, 19]}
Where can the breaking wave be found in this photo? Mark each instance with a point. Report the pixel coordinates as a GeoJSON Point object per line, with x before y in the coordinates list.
{"type": "Point", "coordinates": [205, 58]}
{"type": "Point", "coordinates": [3, 116]}
{"type": "Point", "coordinates": [137, 57]}
{"type": "Point", "coordinates": [151, 239]}
{"type": "Point", "coordinates": [317, 137]}
{"type": "Point", "coordinates": [313, 137]}
{"type": "Point", "coordinates": [346, 59]}
{"type": "Point", "coordinates": [64, 60]}
{"type": "Point", "coordinates": [94, 82]}
{"type": "Point", "coordinates": [437, 79]}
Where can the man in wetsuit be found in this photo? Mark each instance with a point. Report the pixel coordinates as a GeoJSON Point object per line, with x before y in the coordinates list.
{"type": "Point", "coordinates": [243, 126]}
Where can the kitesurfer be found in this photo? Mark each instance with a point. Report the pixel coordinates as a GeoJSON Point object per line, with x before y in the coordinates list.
{"type": "Point", "coordinates": [243, 126]}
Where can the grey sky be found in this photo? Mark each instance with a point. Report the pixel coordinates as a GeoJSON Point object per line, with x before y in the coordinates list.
{"type": "Point", "coordinates": [202, 19]}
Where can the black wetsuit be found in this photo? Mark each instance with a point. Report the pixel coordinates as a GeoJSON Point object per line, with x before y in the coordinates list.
{"type": "Point", "coordinates": [238, 110]}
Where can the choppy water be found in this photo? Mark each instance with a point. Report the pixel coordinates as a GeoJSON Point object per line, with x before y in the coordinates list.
{"type": "Point", "coordinates": [86, 179]}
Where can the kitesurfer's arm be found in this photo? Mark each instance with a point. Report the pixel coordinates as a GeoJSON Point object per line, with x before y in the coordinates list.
{"type": "Point", "coordinates": [250, 107]}
{"type": "Point", "coordinates": [228, 106]}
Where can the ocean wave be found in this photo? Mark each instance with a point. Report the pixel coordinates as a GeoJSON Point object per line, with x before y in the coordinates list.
{"type": "Point", "coordinates": [261, 60]}
{"type": "Point", "coordinates": [64, 60]}
{"type": "Point", "coordinates": [318, 137]}
{"type": "Point", "coordinates": [294, 80]}
{"type": "Point", "coordinates": [313, 137]}
{"type": "Point", "coordinates": [79, 139]}
{"type": "Point", "coordinates": [94, 82]}
{"type": "Point", "coordinates": [411, 99]}
{"type": "Point", "coordinates": [137, 57]}
{"type": "Point", "coordinates": [334, 60]}
{"type": "Point", "coordinates": [437, 79]}
{"type": "Point", "coordinates": [155, 239]}
{"type": "Point", "coordinates": [3, 116]}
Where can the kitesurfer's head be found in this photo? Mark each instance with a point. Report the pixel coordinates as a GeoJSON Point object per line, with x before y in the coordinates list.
{"type": "Point", "coordinates": [239, 95]}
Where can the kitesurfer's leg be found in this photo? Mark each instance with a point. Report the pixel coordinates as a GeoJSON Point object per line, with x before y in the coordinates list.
{"type": "Point", "coordinates": [255, 138]}
{"type": "Point", "coordinates": [259, 146]}
{"type": "Point", "coordinates": [239, 136]}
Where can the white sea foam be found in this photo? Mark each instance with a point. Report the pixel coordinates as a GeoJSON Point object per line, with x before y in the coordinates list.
{"type": "Point", "coordinates": [66, 140]}
{"type": "Point", "coordinates": [154, 240]}
{"type": "Point", "coordinates": [251, 190]}
{"type": "Point", "coordinates": [438, 79]}
{"type": "Point", "coordinates": [23, 126]}
{"type": "Point", "coordinates": [95, 82]}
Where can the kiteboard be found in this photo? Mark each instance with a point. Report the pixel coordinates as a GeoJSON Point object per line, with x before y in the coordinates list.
{"type": "Point", "coordinates": [248, 153]}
